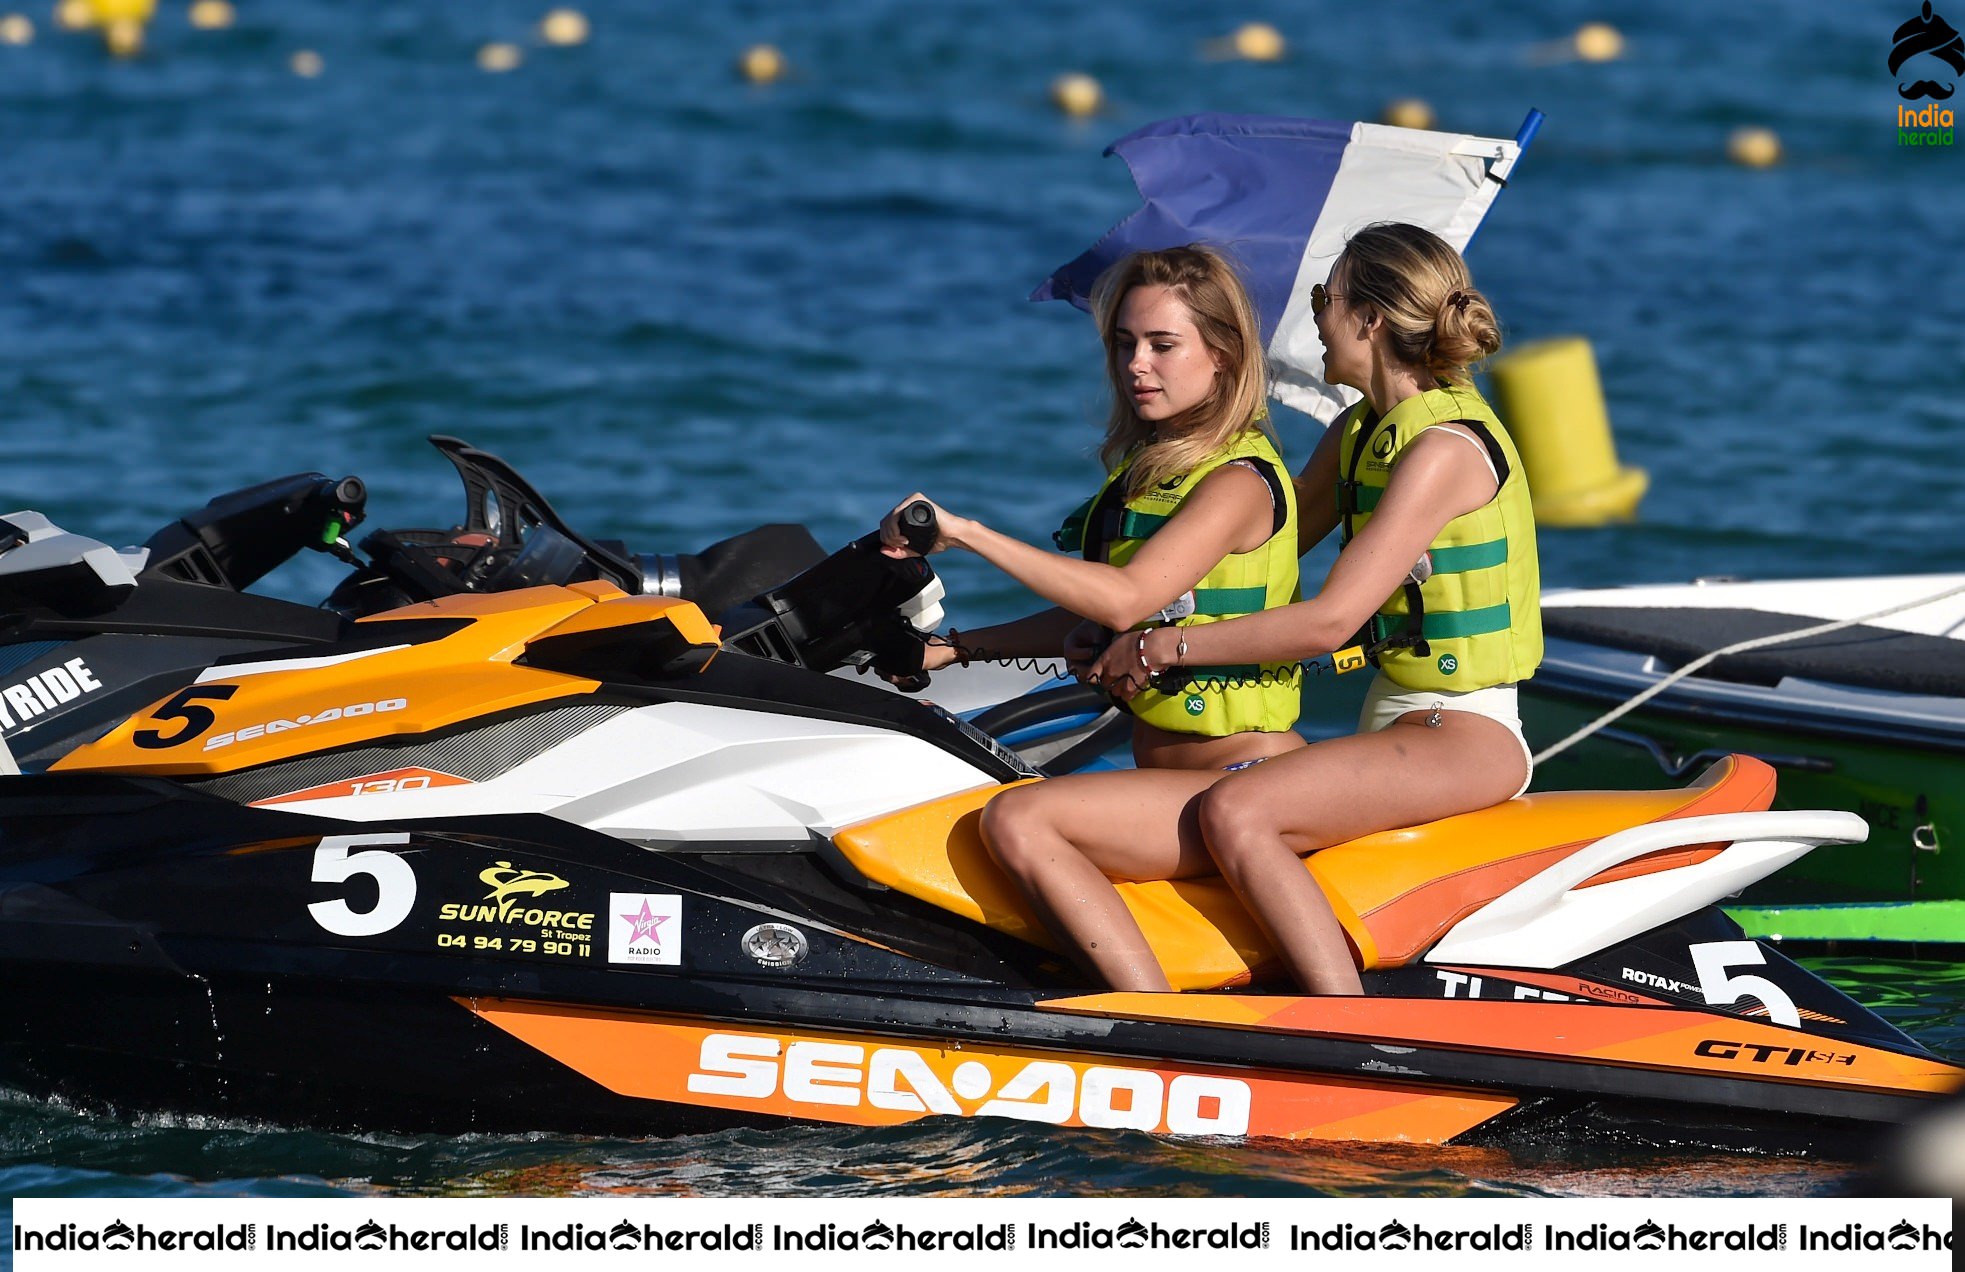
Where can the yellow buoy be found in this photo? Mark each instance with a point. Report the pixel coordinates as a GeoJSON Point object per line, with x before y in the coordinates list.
{"type": "Point", "coordinates": [212, 15]}
{"type": "Point", "coordinates": [499, 57]}
{"type": "Point", "coordinates": [74, 15]}
{"type": "Point", "coordinates": [1549, 396]}
{"type": "Point", "coordinates": [1258, 42]}
{"type": "Point", "coordinates": [761, 64]}
{"type": "Point", "coordinates": [107, 11]}
{"type": "Point", "coordinates": [1077, 94]}
{"type": "Point", "coordinates": [123, 37]}
{"type": "Point", "coordinates": [16, 29]}
{"type": "Point", "coordinates": [1409, 112]}
{"type": "Point", "coordinates": [1754, 147]}
{"type": "Point", "coordinates": [306, 63]}
{"type": "Point", "coordinates": [1598, 42]}
{"type": "Point", "coordinates": [564, 27]}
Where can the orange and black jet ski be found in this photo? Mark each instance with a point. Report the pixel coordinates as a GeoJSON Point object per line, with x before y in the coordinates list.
{"type": "Point", "coordinates": [506, 838]}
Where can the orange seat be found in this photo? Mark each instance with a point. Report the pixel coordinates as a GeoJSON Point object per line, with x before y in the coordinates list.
{"type": "Point", "coordinates": [1396, 892]}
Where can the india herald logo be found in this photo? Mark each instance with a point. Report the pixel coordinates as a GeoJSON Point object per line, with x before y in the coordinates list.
{"type": "Point", "coordinates": [1927, 34]}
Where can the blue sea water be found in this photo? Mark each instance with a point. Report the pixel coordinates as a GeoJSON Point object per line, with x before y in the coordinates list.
{"type": "Point", "coordinates": [684, 304]}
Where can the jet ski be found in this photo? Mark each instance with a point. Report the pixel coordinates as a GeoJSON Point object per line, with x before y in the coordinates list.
{"type": "Point", "coordinates": [1870, 717]}
{"type": "Point", "coordinates": [504, 839]}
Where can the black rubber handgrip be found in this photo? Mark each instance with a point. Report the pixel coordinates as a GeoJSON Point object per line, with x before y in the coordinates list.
{"type": "Point", "coordinates": [918, 526]}
{"type": "Point", "coordinates": [351, 493]}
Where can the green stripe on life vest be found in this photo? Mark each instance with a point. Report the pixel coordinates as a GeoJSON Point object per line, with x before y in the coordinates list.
{"type": "Point", "coordinates": [1463, 623]}
{"type": "Point", "coordinates": [1229, 600]}
{"type": "Point", "coordinates": [1140, 525]}
{"type": "Point", "coordinates": [1471, 556]}
{"type": "Point", "coordinates": [1368, 497]}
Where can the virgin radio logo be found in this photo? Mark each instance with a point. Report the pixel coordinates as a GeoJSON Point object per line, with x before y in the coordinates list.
{"type": "Point", "coordinates": [1927, 54]}
{"type": "Point", "coordinates": [644, 928]}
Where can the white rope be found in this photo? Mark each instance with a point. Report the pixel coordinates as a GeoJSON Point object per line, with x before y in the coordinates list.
{"type": "Point", "coordinates": [1759, 642]}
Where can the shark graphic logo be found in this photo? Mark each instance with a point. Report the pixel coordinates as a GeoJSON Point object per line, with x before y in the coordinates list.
{"type": "Point", "coordinates": [1928, 33]}
{"type": "Point", "coordinates": [508, 883]}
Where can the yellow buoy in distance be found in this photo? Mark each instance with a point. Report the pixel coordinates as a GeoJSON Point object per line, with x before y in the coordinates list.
{"type": "Point", "coordinates": [1599, 42]}
{"type": "Point", "coordinates": [74, 15]}
{"type": "Point", "coordinates": [1409, 112]}
{"type": "Point", "coordinates": [1077, 94]}
{"type": "Point", "coordinates": [212, 15]}
{"type": "Point", "coordinates": [108, 11]}
{"type": "Point", "coordinates": [564, 27]}
{"type": "Point", "coordinates": [111, 12]}
{"type": "Point", "coordinates": [306, 63]}
{"type": "Point", "coordinates": [1754, 147]}
{"type": "Point", "coordinates": [123, 37]}
{"type": "Point", "coordinates": [1258, 42]}
{"type": "Point", "coordinates": [761, 64]}
{"type": "Point", "coordinates": [1549, 394]}
{"type": "Point", "coordinates": [16, 29]}
{"type": "Point", "coordinates": [499, 57]}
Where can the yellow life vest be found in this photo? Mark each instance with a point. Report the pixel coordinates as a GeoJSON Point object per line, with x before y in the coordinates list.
{"type": "Point", "coordinates": [1481, 610]}
{"type": "Point", "coordinates": [1215, 701]}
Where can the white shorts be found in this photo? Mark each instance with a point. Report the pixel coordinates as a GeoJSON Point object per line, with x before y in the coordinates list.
{"type": "Point", "coordinates": [1386, 702]}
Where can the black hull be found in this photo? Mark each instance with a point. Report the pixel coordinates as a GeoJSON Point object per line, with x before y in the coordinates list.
{"type": "Point", "coordinates": [168, 951]}
{"type": "Point", "coordinates": [368, 1057]}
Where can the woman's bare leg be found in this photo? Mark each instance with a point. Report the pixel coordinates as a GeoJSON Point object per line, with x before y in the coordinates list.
{"type": "Point", "coordinates": [1258, 823]}
{"type": "Point", "coordinates": [1063, 841]}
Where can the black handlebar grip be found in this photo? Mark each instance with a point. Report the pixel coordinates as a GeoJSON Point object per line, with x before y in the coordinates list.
{"type": "Point", "coordinates": [918, 526]}
{"type": "Point", "coordinates": [351, 493]}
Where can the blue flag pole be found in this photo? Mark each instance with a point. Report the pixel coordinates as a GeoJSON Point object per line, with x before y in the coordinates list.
{"type": "Point", "coordinates": [1524, 136]}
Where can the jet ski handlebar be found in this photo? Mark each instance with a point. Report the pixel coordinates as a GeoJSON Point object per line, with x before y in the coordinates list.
{"type": "Point", "coordinates": [918, 526]}
{"type": "Point", "coordinates": [238, 538]}
{"type": "Point", "coordinates": [773, 589]}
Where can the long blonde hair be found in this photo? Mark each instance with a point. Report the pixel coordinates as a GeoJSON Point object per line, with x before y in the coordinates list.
{"type": "Point", "coordinates": [1202, 280]}
{"type": "Point", "coordinates": [1415, 280]}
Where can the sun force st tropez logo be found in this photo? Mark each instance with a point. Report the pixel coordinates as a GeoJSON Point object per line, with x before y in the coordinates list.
{"type": "Point", "coordinates": [1922, 49]}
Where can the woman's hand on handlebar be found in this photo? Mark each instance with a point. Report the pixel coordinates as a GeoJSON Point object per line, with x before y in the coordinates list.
{"type": "Point", "coordinates": [1123, 673]}
{"type": "Point", "coordinates": [894, 540]}
{"type": "Point", "coordinates": [940, 651]}
{"type": "Point", "coordinates": [937, 651]}
{"type": "Point", "coordinates": [1117, 670]}
{"type": "Point", "coordinates": [1082, 646]}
